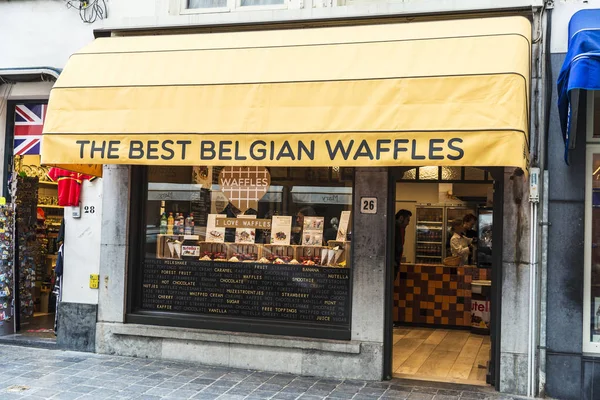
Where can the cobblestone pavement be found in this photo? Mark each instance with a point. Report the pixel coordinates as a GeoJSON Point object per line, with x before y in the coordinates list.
{"type": "Point", "coordinates": [30, 373]}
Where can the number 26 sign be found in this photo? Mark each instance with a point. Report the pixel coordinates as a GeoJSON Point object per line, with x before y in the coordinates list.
{"type": "Point", "coordinates": [368, 205]}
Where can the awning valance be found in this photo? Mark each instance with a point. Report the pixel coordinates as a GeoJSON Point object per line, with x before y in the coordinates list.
{"type": "Point", "coordinates": [442, 93]}
{"type": "Point", "coordinates": [580, 71]}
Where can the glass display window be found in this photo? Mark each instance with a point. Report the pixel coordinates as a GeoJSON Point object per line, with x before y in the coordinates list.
{"type": "Point", "coordinates": [240, 242]}
{"type": "Point", "coordinates": [591, 314]}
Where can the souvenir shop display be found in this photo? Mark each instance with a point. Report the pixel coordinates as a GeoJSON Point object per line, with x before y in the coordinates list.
{"type": "Point", "coordinates": [69, 185]}
{"type": "Point", "coordinates": [39, 214]}
{"type": "Point", "coordinates": [41, 246]}
{"type": "Point", "coordinates": [28, 249]}
{"type": "Point", "coordinates": [6, 264]}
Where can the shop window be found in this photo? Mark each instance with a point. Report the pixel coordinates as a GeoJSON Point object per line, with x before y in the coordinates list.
{"type": "Point", "coordinates": [270, 244]}
{"type": "Point", "coordinates": [208, 5]}
{"type": "Point", "coordinates": [245, 3]}
{"type": "Point", "coordinates": [410, 174]}
{"type": "Point", "coordinates": [429, 173]}
{"type": "Point", "coordinates": [596, 117]}
{"type": "Point", "coordinates": [591, 314]}
{"type": "Point", "coordinates": [474, 174]}
{"type": "Point", "coordinates": [451, 173]}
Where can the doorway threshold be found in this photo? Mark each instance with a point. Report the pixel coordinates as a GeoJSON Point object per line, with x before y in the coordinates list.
{"type": "Point", "coordinates": [18, 339]}
{"type": "Point", "coordinates": [436, 384]}
{"type": "Point", "coordinates": [451, 381]}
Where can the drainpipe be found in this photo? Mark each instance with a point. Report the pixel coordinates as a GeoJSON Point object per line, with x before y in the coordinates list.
{"type": "Point", "coordinates": [547, 87]}
{"type": "Point", "coordinates": [536, 184]}
{"type": "Point", "coordinates": [533, 286]}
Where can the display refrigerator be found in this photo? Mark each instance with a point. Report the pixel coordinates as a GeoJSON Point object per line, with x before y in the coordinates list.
{"type": "Point", "coordinates": [429, 237]}
{"type": "Point", "coordinates": [433, 225]}
{"type": "Point", "coordinates": [484, 236]}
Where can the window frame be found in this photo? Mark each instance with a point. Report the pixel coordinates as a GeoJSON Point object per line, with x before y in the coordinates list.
{"type": "Point", "coordinates": [592, 148]}
{"type": "Point", "coordinates": [589, 115]}
{"type": "Point", "coordinates": [135, 314]}
{"type": "Point", "coordinates": [232, 6]}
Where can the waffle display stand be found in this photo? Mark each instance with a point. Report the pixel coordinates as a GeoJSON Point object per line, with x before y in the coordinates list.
{"type": "Point", "coordinates": [334, 255]}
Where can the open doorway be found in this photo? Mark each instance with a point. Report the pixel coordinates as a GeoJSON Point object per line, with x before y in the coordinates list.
{"type": "Point", "coordinates": [441, 311]}
{"type": "Point", "coordinates": [38, 220]}
{"type": "Point", "coordinates": [35, 233]}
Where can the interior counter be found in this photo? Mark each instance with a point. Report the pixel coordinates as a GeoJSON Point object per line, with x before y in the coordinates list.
{"type": "Point", "coordinates": [435, 294]}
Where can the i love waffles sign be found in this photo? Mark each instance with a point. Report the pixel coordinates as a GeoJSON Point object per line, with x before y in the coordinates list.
{"type": "Point", "coordinates": [244, 186]}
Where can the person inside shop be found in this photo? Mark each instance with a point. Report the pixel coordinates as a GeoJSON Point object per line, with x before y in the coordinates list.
{"type": "Point", "coordinates": [299, 224]}
{"type": "Point", "coordinates": [331, 232]}
{"type": "Point", "coordinates": [469, 222]}
{"type": "Point", "coordinates": [263, 236]}
{"type": "Point", "coordinates": [460, 245]}
{"type": "Point", "coordinates": [402, 221]}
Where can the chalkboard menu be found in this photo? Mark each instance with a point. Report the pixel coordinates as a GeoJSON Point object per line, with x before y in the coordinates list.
{"type": "Point", "coordinates": [272, 291]}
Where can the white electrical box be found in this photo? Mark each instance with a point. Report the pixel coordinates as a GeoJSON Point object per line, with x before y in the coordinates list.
{"type": "Point", "coordinates": [76, 211]}
{"type": "Point", "coordinates": [534, 185]}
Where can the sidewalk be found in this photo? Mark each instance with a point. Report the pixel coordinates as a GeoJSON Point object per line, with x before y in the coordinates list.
{"type": "Point", "coordinates": [30, 373]}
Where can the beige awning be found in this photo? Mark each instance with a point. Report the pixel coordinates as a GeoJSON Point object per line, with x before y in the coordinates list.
{"type": "Point", "coordinates": [451, 93]}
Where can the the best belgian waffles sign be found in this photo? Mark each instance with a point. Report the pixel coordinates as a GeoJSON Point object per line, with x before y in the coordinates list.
{"type": "Point", "coordinates": [244, 186]}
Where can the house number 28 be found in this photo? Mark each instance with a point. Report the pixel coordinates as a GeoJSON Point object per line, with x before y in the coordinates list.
{"type": "Point", "coordinates": [89, 209]}
{"type": "Point", "coordinates": [368, 205]}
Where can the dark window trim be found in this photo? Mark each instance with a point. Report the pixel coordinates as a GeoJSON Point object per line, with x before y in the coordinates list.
{"type": "Point", "coordinates": [245, 325]}
{"type": "Point", "coordinates": [496, 176]}
{"type": "Point", "coordinates": [134, 314]}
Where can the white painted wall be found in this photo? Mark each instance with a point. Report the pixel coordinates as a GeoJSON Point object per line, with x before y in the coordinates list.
{"type": "Point", "coordinates": [82, 246]}
{"type": "Point", "coordinates": [125, 14]}
{"type": "Point", "coordinates": [563, 11]}
{"type": "Point", "coordinates": [40, 33]}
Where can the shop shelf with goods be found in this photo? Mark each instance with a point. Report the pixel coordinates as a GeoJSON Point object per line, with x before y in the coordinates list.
{"type": "Point", "coordinates": [7, 277]}
{"type": "Point", "coordinates": [39, 218]}
{"type": "Point", "coordinates": [27, 247]}
{"type": "Point", "coordinates": [429, 226]}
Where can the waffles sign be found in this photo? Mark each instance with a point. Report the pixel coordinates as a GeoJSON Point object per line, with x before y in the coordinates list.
{"type": "Point", "coordinates": [244, 186]}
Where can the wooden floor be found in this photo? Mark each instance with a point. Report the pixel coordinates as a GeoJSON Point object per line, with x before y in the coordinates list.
{"type": "Point", "coordinates": [440, 355]}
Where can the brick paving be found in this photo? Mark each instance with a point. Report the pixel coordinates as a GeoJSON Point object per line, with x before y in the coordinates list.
{"type": "Point", "coordinates": [32, 373]}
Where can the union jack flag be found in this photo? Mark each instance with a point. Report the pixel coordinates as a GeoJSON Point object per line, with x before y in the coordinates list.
{"type": "Point", "coordinates": [29, 122]}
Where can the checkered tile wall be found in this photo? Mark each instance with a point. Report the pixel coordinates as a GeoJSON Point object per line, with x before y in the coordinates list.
{"type": "Point", "coordinates": [435, 294]}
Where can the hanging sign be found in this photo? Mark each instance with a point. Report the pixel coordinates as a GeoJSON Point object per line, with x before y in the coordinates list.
{"type": "Point", "coordinates": [242, 222]}
{"type": "Point", "coordinates": [244, 186]}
